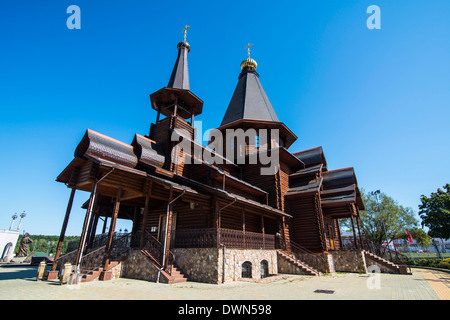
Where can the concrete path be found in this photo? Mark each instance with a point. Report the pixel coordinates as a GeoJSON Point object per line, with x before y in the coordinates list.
{"type": "Point", "coordinates": [20, 283]}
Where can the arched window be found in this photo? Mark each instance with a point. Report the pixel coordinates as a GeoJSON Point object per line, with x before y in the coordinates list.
{"type": "Point", "coordinates": [247, 269]}
{"type": "Point", "coordinates": [264, 269]}
{"type": "Point", "coordinates": [6, 251]}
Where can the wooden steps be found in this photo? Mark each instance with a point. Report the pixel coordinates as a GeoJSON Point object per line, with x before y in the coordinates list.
{"type": "Point", "coordinates": [303, 266]}
{"type": "Point", "coordinates": [174, 277]}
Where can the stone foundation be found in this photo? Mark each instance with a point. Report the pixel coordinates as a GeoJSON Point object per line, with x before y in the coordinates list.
{"type": "Point", "coordinates": [203, 264]}
{"type": "Point", "coordinates": [234, 258]}
{"type": "Point", "coordinates": [138, 266]}
{"type": "Point", "coordinates": [219, 265]}
{"type": "Point", "coordinates": [349, 261]}
{"type": "Point", "coordinates": [208, 264]}
{"type": "Point", "coordinates": [198, 264]}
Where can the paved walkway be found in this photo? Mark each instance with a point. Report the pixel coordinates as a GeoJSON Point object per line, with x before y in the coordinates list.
{"type": "Point", "coordinates": [439, 281]}
{"type": "Point", "coordinates": [19, 283]}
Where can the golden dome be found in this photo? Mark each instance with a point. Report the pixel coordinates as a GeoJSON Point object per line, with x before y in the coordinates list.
{"type": "Point", "coordinates": [249, 63]}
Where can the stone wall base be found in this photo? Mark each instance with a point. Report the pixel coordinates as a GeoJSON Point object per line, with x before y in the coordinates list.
{"type": "Point", "coordinates": [349, 261]}
{"type": "Point", "coordinates": [207, 265]}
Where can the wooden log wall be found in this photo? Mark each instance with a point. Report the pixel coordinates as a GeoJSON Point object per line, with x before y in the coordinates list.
{"type": "Point", "coordinates": [283, 174]}
{"type": "Point", "coordinates": [252, 174]}
{"type": "Point", "coordinates": [305, 228]}
{"type": "Point", "coordinates": [160, 132]}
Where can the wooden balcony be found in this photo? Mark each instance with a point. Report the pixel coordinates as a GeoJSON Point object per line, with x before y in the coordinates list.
{"type": "Point", "coordinates": [214, 238]}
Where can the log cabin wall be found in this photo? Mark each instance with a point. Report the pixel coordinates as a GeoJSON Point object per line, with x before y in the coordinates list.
{"type": "Point", "coordinates": [305, 228]}
{"type": "Point", "coordinates": [197, 172]}
{"type": "Point", "coordinates": [283, 173]}
{"type": "Point", "coordinates": [237, 218]}
{"type": "Point", "coordinates": [162, 133]}
{"type": "Point", "coordinates": [185, 216]}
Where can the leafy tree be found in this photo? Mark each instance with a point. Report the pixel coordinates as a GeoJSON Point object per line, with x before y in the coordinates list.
{"type": "Point", "coordinates": [384, 219]}
{"type": "Point", "coordinates": [435, 213]}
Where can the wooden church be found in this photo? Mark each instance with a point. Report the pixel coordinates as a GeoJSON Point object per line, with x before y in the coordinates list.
{"type": "Point", "coordinates": [201, 221]}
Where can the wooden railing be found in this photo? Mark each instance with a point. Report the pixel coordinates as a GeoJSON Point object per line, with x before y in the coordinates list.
{"type": "Point", "coordinates": [156, 250]}
{"type": "Point", "coordinates": [212, 238]}
{"type": "Point", "coordinates": [120, 244]}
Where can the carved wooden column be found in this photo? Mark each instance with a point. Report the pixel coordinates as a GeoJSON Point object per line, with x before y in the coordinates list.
{"type": "Point", "coordinates": [81, 246]}
{"type": "Point", "coordinates": [112, 228]}
{"type": "Point", "coordinates": [144, 221]}
{"type": "Point", "coordinates": [62, 234]}
{"type": "Point", "coordinates": [168, 229]}
{"type": "Point", "coordinates": [354, 232]}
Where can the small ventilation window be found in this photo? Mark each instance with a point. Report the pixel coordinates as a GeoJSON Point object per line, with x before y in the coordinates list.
{"type": "Point", "coordinates": [264, 269]}
{"type": "Point", "coordinates": [247, 269]}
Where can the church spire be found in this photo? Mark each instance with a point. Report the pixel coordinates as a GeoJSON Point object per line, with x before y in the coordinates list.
{"type": "Point", "coordinates": [180, 74]}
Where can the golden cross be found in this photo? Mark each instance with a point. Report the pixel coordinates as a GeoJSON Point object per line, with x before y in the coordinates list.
{"type": "Point", "coordinates": [248, 49]}
{"type": "Point", "coordinates": [185, 30]}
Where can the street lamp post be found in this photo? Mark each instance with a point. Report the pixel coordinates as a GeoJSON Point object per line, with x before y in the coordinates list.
{"type": "Point", "coordinates": [14, 217]}
{"type": "Point", "coordinates": [22, 215]}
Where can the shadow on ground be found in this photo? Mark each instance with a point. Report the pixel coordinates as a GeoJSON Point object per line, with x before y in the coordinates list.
{"type": "Point", "coordinates": [25, 273]}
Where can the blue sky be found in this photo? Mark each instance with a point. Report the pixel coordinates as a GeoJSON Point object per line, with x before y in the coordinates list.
{"type": "Point", "coordinates": [376, 100]}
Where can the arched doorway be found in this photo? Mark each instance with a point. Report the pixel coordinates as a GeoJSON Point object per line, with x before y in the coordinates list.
{"type": "Point", "coordinates": [247, 269]}
{"type": "Point", "coordinates": [264, 265]}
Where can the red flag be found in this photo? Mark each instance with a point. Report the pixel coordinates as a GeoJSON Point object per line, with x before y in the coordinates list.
{"type": "Point", "coordinates": [410, 238]}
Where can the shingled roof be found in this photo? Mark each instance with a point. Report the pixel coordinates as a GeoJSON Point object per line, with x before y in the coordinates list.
{"type": "Point", "coordinates": [249, 100]}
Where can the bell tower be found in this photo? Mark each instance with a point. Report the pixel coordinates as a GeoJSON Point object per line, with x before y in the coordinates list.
{"type": "Point", "coordinates": [175, 104]}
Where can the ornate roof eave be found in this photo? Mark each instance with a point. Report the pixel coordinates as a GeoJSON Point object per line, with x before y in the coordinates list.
{"type": "Point", "coordinates": [164, 98]}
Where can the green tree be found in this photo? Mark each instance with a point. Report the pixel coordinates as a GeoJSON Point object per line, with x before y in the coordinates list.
{"type": "Point", "coordinates": [435, 213]}
{"type": "Point", "coordinates": [384, 219]}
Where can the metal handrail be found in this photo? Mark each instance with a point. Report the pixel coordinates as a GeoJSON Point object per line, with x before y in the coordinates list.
{"type": "Point", "coordinates": [315, 260]}
{"type": "Point", "coordinates": [385, 252]}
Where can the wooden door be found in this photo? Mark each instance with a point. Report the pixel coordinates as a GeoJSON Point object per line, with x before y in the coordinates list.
{"type": "Point", "coordinates": [331, 237]}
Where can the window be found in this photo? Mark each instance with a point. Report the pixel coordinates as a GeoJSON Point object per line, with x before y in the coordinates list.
{"type": "Point", "coordinates": [247, 269]}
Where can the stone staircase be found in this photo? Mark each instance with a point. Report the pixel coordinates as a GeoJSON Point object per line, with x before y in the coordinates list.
{"type": "Point", "coordinates": [175, 276]}
{"type": "Point", "coordinates": [400, 269]}
{"type": "Point", "coordinates": [305, 269]}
